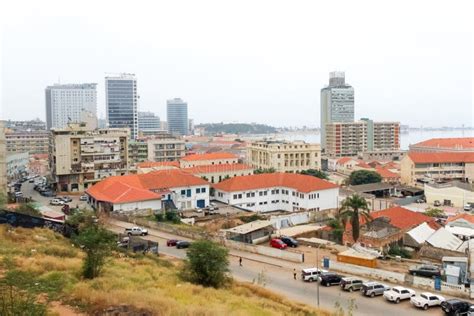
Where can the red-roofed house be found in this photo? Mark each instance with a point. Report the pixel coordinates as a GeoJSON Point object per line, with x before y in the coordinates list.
{"type": "Point", "coordinates": [149, 166]}
{"type": "Point", "coordinates": [217, 173]}
{"type": "Point", "coordinates": [216, 158]}
{"type": "Point", "coordinates": [428, 167]}
{"type": "Point", "coordinates": [277, 191]}
{"type": "Point", "coordinates": [151, 191]}
{"type": "Point", "coordinates": [387, 175]}
{"type": "Point", "coordinates": [346, 165]}
{"type": "Point", "coordinates": [461, 144]}
{"type": "Point", "coordinates": [388, 227]}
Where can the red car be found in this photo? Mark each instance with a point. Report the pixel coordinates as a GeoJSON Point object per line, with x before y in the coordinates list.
{"type": "Point", "coordinates": [278, 243]}
{"type": "Point", "coordinates": [171, 242]}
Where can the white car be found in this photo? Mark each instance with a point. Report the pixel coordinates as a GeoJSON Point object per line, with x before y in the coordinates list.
{"type": "Point", "coordinates": [427, 300]}
{"type": "Point", "coordinates": [398, 293]}
{"type": "Point", "coordinates": [311, 274]}
{"type": "Point", "coordinates": [136, 231]}
{"type": "Point", "coordinates": [56, 202]}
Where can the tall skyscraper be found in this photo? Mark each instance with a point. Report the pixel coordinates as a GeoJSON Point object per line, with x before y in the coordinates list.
{"type": "Point", "coordinates": [121, 101]}
{"type": "Point", "coordinates": [148, 123]}
{"type": "Point", "coordinates": [177, 116]}
{"type": "Point", "coordinates": [65, 102]}
{"type": "Point", "coordinates": [337, 103]}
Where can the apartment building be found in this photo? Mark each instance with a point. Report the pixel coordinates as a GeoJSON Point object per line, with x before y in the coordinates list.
{"type": "Point", "coordinates": [3, 162]}
{"type": "Point", "coordinates": [33, 142]}
{"type": "Point", "coordinates": [278, 192]}
{"type": "Point", "coordinates": [418, 168]}
{"type": "Point", "coordinates": [80, 156]}
{"type": "Point", "coordinates": [17, 165]}
{"type": "Point", "coordinates": [355, 138]}
{"type": "Point", "coordinates": [148, 124]}
{"type": "Point", "coordinates": [460, 144]}
{"type": "Point", "coordinates": [137, 151]}
{"type": "Point", "coordinates": [165, 147]}
{"type": "Point", "coordinates": [218, 172]}
{"type": "Point", "coordinates": [284, 156]}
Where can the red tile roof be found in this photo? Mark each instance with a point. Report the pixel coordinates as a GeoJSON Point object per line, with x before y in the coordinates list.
{"type": "Point", "coordinates": [138, 187]}
{"type": "Point", "coordinates": [151, 164]}
{"type": "Point", "coordinates": [440, 157]}
{"type": "Point", "coordinates": [362, 164]}
{"type": "Point", "coordinates": [403, 218]}
{"type": "Point", "coordinates": [343, 160]}
{"type": "Point", "coordinates": [228, 167]}
{"type": "Point", "coordinates": [467, 217]}
{"type": "Point", "coordinates": [455, 143]}
{"type": "Point", "coordinates": [385, 173]}
{"type": "Point", "coordinates": [210, 156]}
{"type": "Point", "coordinates": [302, 183]}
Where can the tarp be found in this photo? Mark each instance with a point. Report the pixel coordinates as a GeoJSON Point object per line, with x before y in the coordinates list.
{"type": "Point", "coordinates": [421, 232]}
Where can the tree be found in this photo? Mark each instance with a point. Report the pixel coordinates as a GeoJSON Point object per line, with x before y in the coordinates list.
{"type": "Point", "coordinates": [264, 170]}
{"type": "Point", "coordinates": [315, 173]}
{"type": "Point", "coordinates": [337, 229]}
{"type": "Point", "coordinates": [351, 210]}
{"type": "Point", "coordinates": [82, 219]}
{"type": "Point", "coordinates": [434, 212]}
{"type": "Point", "coordinates": [207, 264]}
{"type": "Point", "coordinates": [364, 177]}
{"type": "Point", "coordinates": [97, 242]}
{"type": "Point", "coordinates": [28, 209]}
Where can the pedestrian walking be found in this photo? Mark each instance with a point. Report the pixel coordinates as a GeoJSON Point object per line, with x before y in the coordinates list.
{"type": "Point", "coordinates": [294, 274]}
{"type": "Point", "coordinates": [240, 261]}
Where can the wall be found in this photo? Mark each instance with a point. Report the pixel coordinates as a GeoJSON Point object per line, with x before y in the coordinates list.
{"type": "Point", "coordinates": [188, 164]}
{"type": "Point", "coordinates": [140, 205]}
{"type": "Point", "coordinates": [406, 167]}
{"type": "Point", "coordinates": [266, 251]}
{"type": "Point", "coordinates": [185, 202]}
{"type": "Point", "coordinates": [457, 196]}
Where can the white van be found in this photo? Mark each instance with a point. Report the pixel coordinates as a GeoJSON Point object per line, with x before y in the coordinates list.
{"type": "Point", "coordinates": [311, 274]}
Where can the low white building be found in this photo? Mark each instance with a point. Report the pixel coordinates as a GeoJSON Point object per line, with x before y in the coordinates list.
{"type": "Point", "coordinates": [277, 191]}
{"type": "Point", "coordinates": [152, 191]}
{"type": "Point", "coordinates": [218, 158]}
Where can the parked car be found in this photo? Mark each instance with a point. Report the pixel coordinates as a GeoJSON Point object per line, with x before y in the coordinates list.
{"type": "Point", "coordinates": [328, 279]}
{"type": "Point", "coordinates": [398, 293]}
{"type": "Point", "coordinates": [83, 198]}
{"type": "Point", "coordinates": [136, 231]}
{"type": "Point", "coordinates": [171, 242]}
{"type": "Point", "coordinates": [290, 242]}
{"type": "Point", "coordinates": [182, 244]}
{"type": "Point", "coordinates": [425, 271]}
{"type": "Point", "coordinates": [278, 243]}
{"type": "Point", "coordinates": [373, 288]}
{"type": "Point", "coordinates": [48, 193]}
{"type": "Point", "coordinates": [56, 202]}
{"type": "Point", "coordinates": [427, 300]}
{"type": "Point", "coordinates": [311, 274]}
{"type": "Point", "coordinates": [66, 199]}
{"type": "Point", "coordinates": [455, 307]}
{"type": "Point", "coordinates": [437, 203]}
{"type": "Point", "coordinates": [31, 181]}
{"type": "Point", "coordinates": [18, 194]}
{"type": "Point", "coordinates": [469, 207]}
{"type": "Point", "coordinates": [351, 284]}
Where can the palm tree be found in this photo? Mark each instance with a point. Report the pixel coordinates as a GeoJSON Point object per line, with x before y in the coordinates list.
{"type": "Point", "coordinates": [352, 209]}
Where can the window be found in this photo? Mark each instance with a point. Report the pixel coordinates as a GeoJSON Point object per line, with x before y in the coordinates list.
{"type": "Point", "coordinates": [188, 192]}
{"type": "Point", "coordinates": [198, 190]}
{"type": "Point", "coordinates": [203, 190]}
{"type": "Point", "coordinates": [183, 192]}
{"type": "Point", "coordinates": [317, 195]}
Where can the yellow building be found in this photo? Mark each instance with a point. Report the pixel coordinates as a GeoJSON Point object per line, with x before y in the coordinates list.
{"type": "Point", "coordinates": [284, 156]}
{"type": "Point", "coordinates": [430, 167]}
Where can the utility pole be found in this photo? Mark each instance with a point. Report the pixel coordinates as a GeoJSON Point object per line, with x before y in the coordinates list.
{"type": "Point", "coordinates": [317, 265]}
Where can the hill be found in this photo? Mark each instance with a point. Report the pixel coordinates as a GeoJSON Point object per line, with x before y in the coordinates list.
{"type": "Point", "coordinates": [42, 264]}
{"type": "Point", "coordinates": [236, 128]}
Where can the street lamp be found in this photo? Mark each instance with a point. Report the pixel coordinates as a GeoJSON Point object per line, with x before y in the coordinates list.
{"type": "Point", "coordinates": [317, 267]}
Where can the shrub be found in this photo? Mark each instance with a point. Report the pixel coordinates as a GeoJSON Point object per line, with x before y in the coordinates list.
{"type": "Point", "coordinates": [399, 251]}
{"type": "Point", "coordinates": [251, 218]}
{"type": "Point", "coordinates": [19, 303]}
{"type": "Point", "coordinates": [207, 264]}
{"type": "Point", "coordinates": [364, 177]}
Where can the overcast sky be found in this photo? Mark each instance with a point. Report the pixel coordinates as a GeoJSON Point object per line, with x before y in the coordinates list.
{"type": "Point", "coordinates": [247, 61]}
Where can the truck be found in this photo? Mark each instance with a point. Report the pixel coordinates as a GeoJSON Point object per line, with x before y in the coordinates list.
{"type": "Point", "coordinates": [136, 231]}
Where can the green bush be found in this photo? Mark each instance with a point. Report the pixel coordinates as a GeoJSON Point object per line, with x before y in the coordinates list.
{"type": "Point", "coordinates": [19, 303]}
{"type": "Point", "coordinates": [251, 218]}
{"type": "Point", "coordinates": [399, 251]}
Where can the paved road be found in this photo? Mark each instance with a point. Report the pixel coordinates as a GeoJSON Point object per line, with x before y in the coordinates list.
{"type": "Point", "coordinates": [280, 280]}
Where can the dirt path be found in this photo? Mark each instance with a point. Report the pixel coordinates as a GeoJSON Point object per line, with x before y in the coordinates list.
{"type": "Point", "coordinates": [64, 310]}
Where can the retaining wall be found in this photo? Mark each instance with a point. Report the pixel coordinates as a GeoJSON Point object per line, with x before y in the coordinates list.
{"type": "Point", "coordinates": [266, 251]}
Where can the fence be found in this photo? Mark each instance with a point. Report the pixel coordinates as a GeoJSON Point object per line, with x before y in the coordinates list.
{"type": "Point", "coordinates": [446, 288]}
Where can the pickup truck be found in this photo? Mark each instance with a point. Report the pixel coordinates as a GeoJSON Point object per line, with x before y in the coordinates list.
{"type": "Point", "coordinates": [427, 300]}
{"type": "Point", "coordinates": [398, 294]}
{"type": "Point", "coordinates": [136, 231]}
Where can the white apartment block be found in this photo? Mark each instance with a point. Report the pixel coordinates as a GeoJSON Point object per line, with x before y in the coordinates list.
{"type": "Point", "coordinates": [277, 192]}
{"type": "Point", "coordinates": [284, 156]}
{"type": "Point", "coordinates": [80, 157]}
{"type": "Point", "coordinates": [66, 102]}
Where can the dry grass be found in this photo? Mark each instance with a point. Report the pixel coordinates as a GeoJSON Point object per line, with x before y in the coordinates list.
{"type": "Point", "coordinates": [144, 282]}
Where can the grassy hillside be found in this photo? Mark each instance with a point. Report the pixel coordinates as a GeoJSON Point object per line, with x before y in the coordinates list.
{"type": "Point", "coordinates": [46, 265]}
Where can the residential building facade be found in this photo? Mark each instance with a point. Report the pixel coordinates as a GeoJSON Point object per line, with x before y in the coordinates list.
{"type": "Point", "coordinates": [17, 165]}
{"type": "Point", "coordinates": [121, 100]}
{"type": "Point", "coordinates": [218, 172]}
{"type": "Point", "coordinates": [418, 168]}
{"type": "Point", "coordinates": [356, 138]}
{"type": "Point", "coordinates": [137, 151]}
{"type": "Point", "coordinates": [80, 157]}
{"type": "Point", "coordinates": [277, 192]}
{"type": "Point", "coordinates": [33, 142]}
{"type": "Point", "coordinates": [65, 102]}
{"type": "Point", "coordinates": [284, 156]}
{"type": "Point", "coordinates": [165, 147]}
{"type": "Point", "coordinates": [337, 103]}
{"type": "Point", "coordinates": [30, 125]}
{"type": "Point", "coordinates": [166, 189]}
{"type": "Point", "coordinates": [218, 158]}
{"type": "Point", "coordinates": [148, 123]}
{"type": "Point", "coordinates": [177, 117]}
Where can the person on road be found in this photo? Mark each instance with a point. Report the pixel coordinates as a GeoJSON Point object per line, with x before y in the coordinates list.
{"type": "Point", "coordinates": [240, 261]}
{"type": "Point", "coordinates": [294, 274]}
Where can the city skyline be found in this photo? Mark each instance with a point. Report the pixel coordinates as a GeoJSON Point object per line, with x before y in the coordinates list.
{"type": "Point", "coordinates": [400, 72]}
